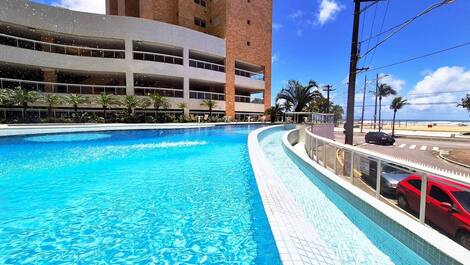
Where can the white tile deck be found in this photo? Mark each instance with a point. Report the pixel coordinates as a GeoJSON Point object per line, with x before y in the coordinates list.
{"type": "Point", "coordinates": [296, 239]}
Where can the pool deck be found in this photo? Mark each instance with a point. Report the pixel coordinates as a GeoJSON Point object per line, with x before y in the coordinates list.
{"type": "Point", "coordinates": [31, 129]}
{"type": "Point", "coordinates": [297, 241]}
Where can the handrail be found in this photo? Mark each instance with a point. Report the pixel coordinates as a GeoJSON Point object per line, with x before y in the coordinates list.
{"type": "Point", "coordinates": [160, 54]}
{"type": "Point", "coordinates": [218, 67]}
{"type": "Point", "coordinates": [312, 142]}
{"type": "Point", "coordinates": [206, 95]}
{"type": "Point", "coordinates": [53, 84]}
{"type": "Point", "coordinates": [65, 46]}
{"type": "Point", "coordinates": [249, 74]}
{"type": "Point", "coordinates": [167, 92]}
{"type": "Point", "coordinates": [248, 99]}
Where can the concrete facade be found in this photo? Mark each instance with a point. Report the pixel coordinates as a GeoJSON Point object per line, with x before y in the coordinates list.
{"type": "Point", "coordinates": [79, 34]}
{"type": "Point", "coordinates": [245, 25]}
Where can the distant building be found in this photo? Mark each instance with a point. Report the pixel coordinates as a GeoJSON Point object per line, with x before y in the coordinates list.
{"type": "Point", "coordinates": [186, 50]}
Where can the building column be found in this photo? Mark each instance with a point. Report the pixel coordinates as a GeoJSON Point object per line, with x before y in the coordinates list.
{"type": "Point", "coordinates": [129, 62]}
{"type": "Point", "coordinates": [49, 75]}
{"type": "Point", "coordinates": [186, 98]}
{"type": "Point", "coordinates": [121, 4]}
{"type": "Point", "coordinates": [230, 86]}
{"type": "Point", "coordinates": [146, 9]}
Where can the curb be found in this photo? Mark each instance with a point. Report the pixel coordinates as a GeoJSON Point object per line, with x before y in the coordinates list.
{"type": "Point", "coordinates": [440, 138]}
{"type": "Point", "coordinates": [452, 161]}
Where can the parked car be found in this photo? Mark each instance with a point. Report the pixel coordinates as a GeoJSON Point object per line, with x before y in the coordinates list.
{"type": "Point", "coordinates": [447, 204]}
{"type": "Point", "coordinates": [379, 138]}
{"type": "Point", "coordinates": [391, 175]}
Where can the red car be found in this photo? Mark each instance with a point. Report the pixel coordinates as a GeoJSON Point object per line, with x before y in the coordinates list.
{"type": "Point", "coordinates": [447, 204]}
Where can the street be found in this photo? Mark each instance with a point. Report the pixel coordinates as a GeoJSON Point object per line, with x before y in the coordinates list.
{"type": "Point", "coordinates": [423, 151]}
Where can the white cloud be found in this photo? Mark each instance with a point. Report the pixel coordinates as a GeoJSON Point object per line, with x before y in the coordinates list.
{"type": "Point", "coordinates": [275, 57]}
{"type": "Point", "coordinates": [296, 14]}
{"type": "Point", "coordinates": [328, 11]}
{"type": "Point", "coordinates": [440, 86]}
{"type": "Point", "coordinates": [277, 26]}
{"type": "Point", "coordinates": [91, 6]}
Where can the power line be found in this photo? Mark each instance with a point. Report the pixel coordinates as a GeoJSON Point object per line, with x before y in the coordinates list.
{"type": "Point", "coordinates": [437, 93]}
{"type": "Point", "coordinates": [414, 104]}
{"type": "Point", "coordinates": [381, 27]}
{"type": "Point", "coordinates": [406, 23]}
{"type": "Point", "coordinates": [419, 57]}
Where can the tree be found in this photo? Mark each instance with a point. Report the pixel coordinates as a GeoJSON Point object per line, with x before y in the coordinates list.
{"type": "Point", "coordinates": [182, 106]}
{"type": "Point", "coordinates": [75, 101]}
{"type": "Point", "coordinates": [159, 101]}
{"type": "Point", "coordinates": [6, 98]}
{"type": "Point", "coordinates": [144, 104]}
{"type": "Point", "coordinates": [397, 103]}
{"type": "Point", "coordinates": [319, 105]}
{"type": "Point", "coordinates": [273, 112]}
{"type": "Point", "coordinates": [24, 97]}
{"type": "Point", "coordinates": [105, 100]}
{"type": "Point", "coordinates": [298, 95]}
{"type": "Point", "coordinates": [465, 103]}
{"type": "Point", "coordinates": [51, 101]}
{"type": "Point", "coordinates": [130, 102]}
{"type": "Point", "coordinates": [383, 92]}
{"type": "Point", "coordinates": [209, 103]}
{"type": "Point", "coordinates": [338, 112]}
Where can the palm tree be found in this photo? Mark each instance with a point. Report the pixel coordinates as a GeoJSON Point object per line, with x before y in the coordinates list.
{"type": "Point", "coordinates": [130, 102]}
{"type": "Point", "coordinates": [338, 112]}
{"type": "Point", "coordinates": [6, 98]}
{"type": "Point", "coordinates": [273, 112]}
{"type": "Point", "coordinates": [298, 95]}
{"type": "Point", "coordinates": [383, 92]}
{"type": "Point", "coordinates": [51, 101]}
{"type": "Point", "coordinates": [397, 103]}
{"type": "Point", "coordinates": [286, 107]}
{"type": "Point", "coordinates": [75, 101]}
{"type": "Point", "coordinates": [183, 106]}
{"type": "Point", "coordinates": [24, 97]}
{"type": "Point", "coordinates": [105, 100]}
{"type": "Point", "coordinates": [159, 101]}
{"type": "Point", "coordinates": [465, 103]}
{"type": "Point", "coordinates": [209, 103]}
{"type": "Point", "coordinates": [144, 104]}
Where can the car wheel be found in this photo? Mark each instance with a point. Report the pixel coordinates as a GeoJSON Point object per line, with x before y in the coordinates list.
{"type": "Point", "coordinates": [464, 239]}
{"type": "Point", "coordinates": [402, 203]}
{"type": "Point", "coordinates": [367, 141]}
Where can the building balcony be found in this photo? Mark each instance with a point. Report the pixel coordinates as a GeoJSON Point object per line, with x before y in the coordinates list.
{"type": "Point", "coordinates": [206, 65]}
{"type": "Point", "coordinates": [158, 57]}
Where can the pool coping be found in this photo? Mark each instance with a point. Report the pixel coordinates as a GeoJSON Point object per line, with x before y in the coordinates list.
{"type": "Point", "coordinates": [295, 237]}
{"type": "Point", "coordinates": [21, 130]}
{"type": "Point", "coordinates": [442, 243]}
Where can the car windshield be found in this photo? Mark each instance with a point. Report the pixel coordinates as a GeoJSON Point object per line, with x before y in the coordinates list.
{"type": "Point", "coordinates": [464, 199]}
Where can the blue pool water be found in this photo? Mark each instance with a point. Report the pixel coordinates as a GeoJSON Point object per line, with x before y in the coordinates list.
{"type": "Point", "coordinates": [132, 197]}
{"type": "Point", "coordinates": [351, 235]}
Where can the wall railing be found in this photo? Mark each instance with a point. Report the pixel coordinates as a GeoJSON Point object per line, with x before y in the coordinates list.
{"type": "Point", "coordinates": [249, 74]}
{"type": "Point", "coordinates": [206, 95]}
{"type": "Point", "coordinates": [158, 57]}
{"type": "Point", "coordinates": [358, 166]}
{"type": "Point", "coordinates": [74, 50]}
{"type": "Point", "coordinates": [248, 99]}
{"type": "Point", "coordinates": [163, 91]}
{"type": "Point", "coordinates": [206, 65]}
{"type": "Point", "coordinates": [50, 87]}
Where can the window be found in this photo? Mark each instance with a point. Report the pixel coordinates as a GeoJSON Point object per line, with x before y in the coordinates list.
{"type": "Point", "coordinates": [200, 2]}
{"type": "Point", "coordinates": [415, 183]}
{"type": "Point", "coordinates": [248, 22]}
{"type": "Point", "coordinates": [248, 43]}
{"type": "Point", "coordinates": [200, 22]}
{"type": "Point", "coordinates": [439, 195]}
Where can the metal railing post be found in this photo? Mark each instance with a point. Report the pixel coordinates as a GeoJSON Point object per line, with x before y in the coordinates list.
{"type": "Point", "coordinates": [379, 176]}
{"type": "Point", "coordinates": [422, 199]}
{"type": "Point", "coordinates": [335, 165]}
{"type": "Point", "coordinates": [316, 149]}
{"type": "Point", "coordinates": [325, 164]}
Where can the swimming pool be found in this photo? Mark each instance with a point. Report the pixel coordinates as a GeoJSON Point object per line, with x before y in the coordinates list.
{"type": "Point", "coordinates": [136, 197]}
{"type": "Point", "coordinates": [346, 231]}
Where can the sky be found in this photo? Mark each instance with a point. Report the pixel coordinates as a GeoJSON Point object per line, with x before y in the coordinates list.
{"type": "Point", "coordinates": [312, 41]}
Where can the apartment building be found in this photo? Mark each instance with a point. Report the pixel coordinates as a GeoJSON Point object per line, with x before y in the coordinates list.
{"type": "Point", "coordinates": [186, 50]}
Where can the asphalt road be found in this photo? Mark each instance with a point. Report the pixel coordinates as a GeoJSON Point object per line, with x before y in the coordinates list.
{"type": "Point", "coordinates": [417, 150]}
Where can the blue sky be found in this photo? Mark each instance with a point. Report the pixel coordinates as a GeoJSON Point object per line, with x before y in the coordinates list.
{"type": "Point", "coordinates": [312, 39]}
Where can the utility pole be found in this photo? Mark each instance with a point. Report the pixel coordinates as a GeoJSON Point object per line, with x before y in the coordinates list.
{"type": "Point", "coordinates": [328, 89]}
{"type": "Point", "coordinates": [352, 73]}
{"type": "Point", "coordinates": [363, 102]}
{"type": "Point", "coordinates": [376, 94]}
